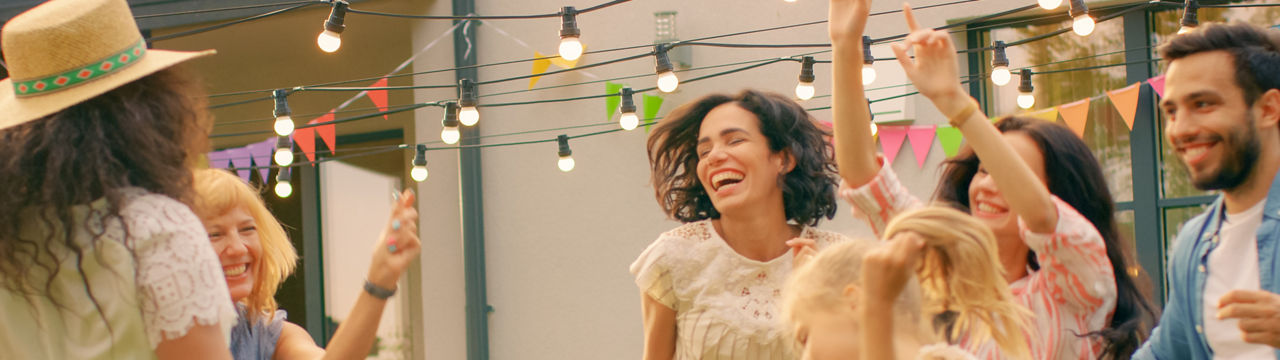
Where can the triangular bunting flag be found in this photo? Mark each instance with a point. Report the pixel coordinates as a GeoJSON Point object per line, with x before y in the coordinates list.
{"type": "Point", "coordinates": [921, 137]}
{"type": "Point", "coordinates": [539, 66]}
{"type": "Point", "coordinates": [652, 103]}
{"type": "Point", "coordinates": [261, 153]}
{"type": "Point", "coordinates": [950, 139]}
{"type": "Point", "coordinates": [327, 132]}
{"type": "Point", "coordinates": [1050, 114]}
{"type": "Point", "coordinates": [1157, 84]}
{"type": "Point", "coordinates": [611, 103]}
{"type": "Point", "coordinates": [1076, 115]}
{"type": "Point", "coordinates": [891, 138]}
{"type": "Point", "coordinates": [306, 140]}
{"type": "Point", "coordinates": [1126, 102]}
{"type": "Point", "coordinates": [379, 97]}
{"type": "Point", "coordinates": [219, 159]}
{"type": "Point", "coordinates": [241, 159]}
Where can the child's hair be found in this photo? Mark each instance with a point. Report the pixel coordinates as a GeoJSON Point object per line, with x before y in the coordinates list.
{"type": "Point", "coordinates": [960, 273]}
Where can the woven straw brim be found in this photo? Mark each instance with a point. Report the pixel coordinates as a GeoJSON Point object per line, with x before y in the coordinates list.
{"type": "Point", "coordinates": [16, 111]}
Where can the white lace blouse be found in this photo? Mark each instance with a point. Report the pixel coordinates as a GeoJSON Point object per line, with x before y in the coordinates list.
{"type": "Point", "coordinates": [727, 306]}
{"type": "Point", "coordinates": [154, 284]}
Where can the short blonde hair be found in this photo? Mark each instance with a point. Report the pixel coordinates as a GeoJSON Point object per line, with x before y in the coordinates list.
{"type": "Point", "coordinates": [217, 192]}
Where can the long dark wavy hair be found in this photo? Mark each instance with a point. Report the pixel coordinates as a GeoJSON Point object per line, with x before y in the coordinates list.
{"type": "Point", "coordinates": [808, 191]}
{"type": "Point", "coordinates": [1073, 175]}
{"type": "Point", "coordinates": [143, 134]}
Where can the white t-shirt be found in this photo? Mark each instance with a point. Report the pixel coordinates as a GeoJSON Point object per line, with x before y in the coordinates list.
{"type": "Point", "coordinates": [1233, 265]}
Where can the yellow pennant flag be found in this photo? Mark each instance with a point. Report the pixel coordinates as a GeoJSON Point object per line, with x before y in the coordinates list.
{"type": "Point", "coordinates": [1050, 114]}
{"type": "Point", "coordinates": [539, 66]}
{"type": "Point", "coordinates": [1076, 115]}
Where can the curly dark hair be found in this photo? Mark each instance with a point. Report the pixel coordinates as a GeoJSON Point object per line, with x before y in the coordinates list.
{"type": "Point", "coordinates": [808, 191]}
{"type": "Point", "coordinates": [1074, 176]}
{"type": "Point", "coordinates": [143, 134]}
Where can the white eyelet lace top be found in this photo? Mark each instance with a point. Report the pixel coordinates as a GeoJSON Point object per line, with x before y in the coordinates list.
{"type": "Point", "coordinates": [154, 284]}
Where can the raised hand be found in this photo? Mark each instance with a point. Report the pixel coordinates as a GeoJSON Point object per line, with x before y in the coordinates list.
{"type": "Point", "coordinates": [398, 245]}
{"type": "Point", "coordinates": [802, 251]}
{"type": "Point", "coordinates": [933, 71]}
{"type": "Point", "coordinates": [887, 268]}
{"type": "Point", "coordinates": [1259, 314]}
{"type": "Point", "coordinates": [846, 19]}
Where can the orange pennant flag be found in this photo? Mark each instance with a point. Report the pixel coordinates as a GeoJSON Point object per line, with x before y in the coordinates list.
{"type": "Point", "coordinates": [327, 132]}
{"type": "Point", "coordinates": [1050, 114]}
{"type": "Point", "coordinates": [1126, 102]}
{"type": "Point", "coordinates": [1076, 115]}
{"type": "Point", "coordinates": [306, 140]}
{"type": "Point", "coordinates": [539, 66]}
{"type": "Point", "coordinates": [379, 97]}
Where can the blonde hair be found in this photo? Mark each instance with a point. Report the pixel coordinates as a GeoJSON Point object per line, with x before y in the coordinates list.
{"type": "Point", "coordinates": [217, 192]}
{"type": "Point", "coordinates": [961, 272]}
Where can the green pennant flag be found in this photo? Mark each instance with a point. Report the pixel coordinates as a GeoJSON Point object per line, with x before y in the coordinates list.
{"type": "Point", "coordinates": [950, 138]}
{"type": "Point", "coordinates": [611, 102]}
{"type": "Point", "coordinates": [651, 105]}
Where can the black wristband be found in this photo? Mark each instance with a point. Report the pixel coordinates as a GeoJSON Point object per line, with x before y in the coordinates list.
{"type": "Point", "coordinates": [378, 291]}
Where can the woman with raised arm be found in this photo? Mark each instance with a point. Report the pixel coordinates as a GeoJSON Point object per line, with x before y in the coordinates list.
{"type": "Point", "coordinates": [1037, 186]}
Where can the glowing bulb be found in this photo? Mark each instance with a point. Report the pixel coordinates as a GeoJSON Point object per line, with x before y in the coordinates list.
{"type": "Point", "coordinates": [629, 121]}
{"type": "Point", "coordinates": [469, 116]}
{"type": "Point", "coordinates": [1083, 25]}
{"type": "Point", "coordinates": [284, 156]}
{"type": "Point", "coordinates": [570, 48]}
{"type": "Point", "coordinates": [868, 74]}
{"type": "Point", "coordinates": [1186, 29]}
{"type": "Point", "coordinates": [329, 41]}
{"type": "Point", "coordinates": [565, 163]}
{"type": "Point", "coordinates": [1001, 76]}
{"type": "Point", "coordinates": [284, 189]}
{"type": "Point", "coordinates": [450, 135]}
{"type": "Point", "coordinates": [1050, 4]}
{"type": "Point", "coordinates": [667, 81]}
{"type": "Point", "coordinates": [804, 90]}
{"type": "Point", "coordinates": [419, 173]}
{"type": "Point", "coordinates": [284, 125]}
{"type": "Point", "coordinates": [1026, 101]}
{"type": "Point", "coordinates": [874, 129]}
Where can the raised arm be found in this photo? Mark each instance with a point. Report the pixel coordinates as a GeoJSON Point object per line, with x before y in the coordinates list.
{"type": "Point", "coordinates": [855, 149]}
{"type": "Point", "coordinates": [933, 72]}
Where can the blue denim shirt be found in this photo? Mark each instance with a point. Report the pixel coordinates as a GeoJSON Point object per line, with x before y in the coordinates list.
{"type": "Point", "coordinates": [1180, 332]}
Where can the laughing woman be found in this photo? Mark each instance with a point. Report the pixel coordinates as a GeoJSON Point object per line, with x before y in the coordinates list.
{"type": "Point", "coordinates": [746, 174]}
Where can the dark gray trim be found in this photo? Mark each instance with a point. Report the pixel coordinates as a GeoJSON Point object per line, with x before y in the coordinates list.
{"type": "Point", "coordinates": [1187, 201]}
{"type": "Point", "coordinates": [313, 253]}
{"type": "Point", "coordinates": [473, 261]}
{"type": "Point", "coordinates": [1145, 157]}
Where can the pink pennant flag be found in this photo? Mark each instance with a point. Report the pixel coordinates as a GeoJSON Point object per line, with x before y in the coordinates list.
{"type": "Point", "coordinates": [921, 141]}
{"type": "Point", "coordinates": [240, 158]}
{"type": "Point", "coordinates": [1157, 84]}
{"type": "Point", "coordinates": [379, 97]}
{"type": "Point", "coordinates": [261, 153]}
{"type": "Point", "coordinates": [891, 138]}
{"type": "Point", "coordinates": [219, 159]}
{"type": "Point", "coordinates": [327, 132]}
{"type": "Point", "coordinates": [1076, 115]}
{"type": "Point", "coordinates": [306, 140]}
{"type": "Point", "coordinates": [1125, 101]}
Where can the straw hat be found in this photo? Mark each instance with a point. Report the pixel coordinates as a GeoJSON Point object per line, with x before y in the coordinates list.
{"type": "Point", "coordinates": [64, 52]}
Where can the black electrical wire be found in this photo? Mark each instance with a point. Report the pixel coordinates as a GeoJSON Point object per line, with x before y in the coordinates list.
{"type": "Point", "coordinates": [202, 11]}
{"type": "Point", "coordinates": [229, 23]}
{"type": "Point", "coordinates": [483, 17]}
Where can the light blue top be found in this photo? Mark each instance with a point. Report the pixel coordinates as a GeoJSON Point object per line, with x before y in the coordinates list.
{"type": "Point", "coordinates": [256, 340]}
{"type": "Point", "coordinates": [1180, 333]}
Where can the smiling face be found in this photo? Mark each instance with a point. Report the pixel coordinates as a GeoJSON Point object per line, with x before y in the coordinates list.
{"type": "Point", "coordinates": [987, 203]}
{"type": "Point", "coordinates": [1208, 123]}
{"type": "Point", "coordinates": [234, 235]}
{"type": "Point", "coordinates": [735, 165]}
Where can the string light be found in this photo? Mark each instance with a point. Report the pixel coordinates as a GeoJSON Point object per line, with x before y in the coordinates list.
{"type": "Point", "coordinates": [1000, 65]}
{"type": "Point", "coordinates": [667, 80]}
{"type": "Point", "coordinates": [468, 113]}
{"type": "Point", "coordinates": [419, 172]}
{"type": "Point", "coordinates": [284, 151]}
{"type": "Point", "coordinates": [570, 46]}
{"type": "Point", "coordinates": [1025, 99]}
{"type": "Point", "coordinates": [283, 187]}
{"type": "Point", "coordinates": [331, 38]}
{"type": "Point", "coordinates": [872, 118]}
{"type": "Point", "coordinates": [1189, 17]}
{"type": "Point", "coordinates": [1082, 23]}
{"type": "Point", "coordinates": [804, 90]}
{"type": "Point", "coordinates": [566, 155]}
{"type": "Point", "coordinates": [1050, 4]}
{"type": "Point", "coordinates": [450, 133]}
{"type": "Point", "coordinates": [628, 121]}
{"type": "Point", "coordinates": [284, 122]}
{"type": "Point", "coordinates": [868, 71]}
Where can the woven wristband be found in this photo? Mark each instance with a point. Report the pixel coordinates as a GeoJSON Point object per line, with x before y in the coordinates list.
{"type": "Point", "coordinates": [959, 119]}
{"type": "Point", "coordinates": [378, 291]}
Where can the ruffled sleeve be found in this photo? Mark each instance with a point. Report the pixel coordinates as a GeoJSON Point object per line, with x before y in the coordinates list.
{"type": "Point", "coordinates": [653, 272]}
{"type": "Point", "coordinates": [879, 200]}
{"type": "Point", "coordinates": [179, 279]}
{"type": "Point", "coordinates": [1074, 269]}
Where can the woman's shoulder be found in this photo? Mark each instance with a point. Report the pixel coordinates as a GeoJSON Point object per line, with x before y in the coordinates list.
{"type": "Point", "coordinates": [688, 232]}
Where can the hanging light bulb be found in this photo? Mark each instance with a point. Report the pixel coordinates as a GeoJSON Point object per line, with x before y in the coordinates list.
{"type": "Point", "coordinates": [284, 151]}
{"type": "Point", "coordinates": [1025, 98]}
{"type": "Point", "coordinates": [804, 89]}
{"type": "Point", "coordinates": [1050, 4]}
{"type": "Point", "coordinates": [450, 133]}
{"type": "Point", "coordinates": [868, 71]}
{"type": "Point", "coordinates": [283, 187]}
{"type": "Point", "coordinates": [1083, 23]}
{"type": "Point", "coordinates": [331, 39]}
{"type": "Point", "coordinates": [566, 155]}
{"type": "Point", "coordinates": [570, 46]}
{"type": "Point", "coordinates": [667, 80]}
{"type": "Point", "coordinates": [419, 172]}
{"type": "Point", "coordinates": [1000, 66]}
{"type": "Point", "coordinates": [284, 123]}
{"type": "Point", "coordinates": [628, 121]}
{"type": "Point", "coordinates": [1189, 17]}
{"type": "Point", "coordinates": [871, 116]}
{"type": "Point", "coordinates": [468, 113]}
